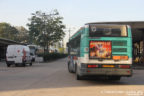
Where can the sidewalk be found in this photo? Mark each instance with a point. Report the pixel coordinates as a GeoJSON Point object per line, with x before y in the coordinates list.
{"type": "Point", "coordinates": [138, 66]}
{"type": "Point", "coordinates": [2, 63]}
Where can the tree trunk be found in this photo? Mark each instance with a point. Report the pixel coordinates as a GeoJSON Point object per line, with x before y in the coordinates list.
{"type": "Point", "coordinates": [47, 45]}
{"type": "Point", "coordinates": [46, 48]}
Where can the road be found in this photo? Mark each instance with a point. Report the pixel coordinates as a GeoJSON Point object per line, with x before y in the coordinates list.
{"type": "Point", "coordinates": [53, 79]}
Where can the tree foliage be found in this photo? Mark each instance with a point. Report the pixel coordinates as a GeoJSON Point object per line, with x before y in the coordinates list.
{"type": "Point", "coordinates": [46, 28]}
{"type": "Point", "coordinates": [7, 31]}
{"type": "Point", "coordinates": [19, 34]}
{"type": "Point", "coordinates": [22, 35]}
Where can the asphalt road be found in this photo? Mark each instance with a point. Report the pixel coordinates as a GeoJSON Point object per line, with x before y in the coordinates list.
{"type": "Point", "coordinates": [53, 79]}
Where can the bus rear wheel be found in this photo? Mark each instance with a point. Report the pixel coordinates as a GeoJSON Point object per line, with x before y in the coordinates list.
{"type": "Point", "coordinates": [69, 69]}
{"type": "Point", "coordinates": [78, 77]}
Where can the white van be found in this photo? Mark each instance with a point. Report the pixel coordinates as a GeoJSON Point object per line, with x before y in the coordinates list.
{"type": "Point", "coordinates": [18, 55]}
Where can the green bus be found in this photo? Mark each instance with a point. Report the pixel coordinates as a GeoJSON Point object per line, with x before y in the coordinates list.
{"type": "Point", "coordinates": [101, 50]}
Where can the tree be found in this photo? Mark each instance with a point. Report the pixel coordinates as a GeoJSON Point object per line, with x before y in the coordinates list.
{"type": "Point", "coordinates": [22, 35]}
{"type": "Point", "coordinates": [7, 31]}
{"type": "Point", "coordinates": [46, 28]}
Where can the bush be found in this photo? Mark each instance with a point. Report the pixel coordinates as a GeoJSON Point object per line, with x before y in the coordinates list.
{"type": "Point", "coordinates": [52, 56]}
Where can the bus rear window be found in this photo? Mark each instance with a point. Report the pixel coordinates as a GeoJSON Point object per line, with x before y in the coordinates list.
{"type": "Point", "coordinates": [107, 31]}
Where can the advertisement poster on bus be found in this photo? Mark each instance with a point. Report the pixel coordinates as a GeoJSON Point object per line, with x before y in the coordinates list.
{"type": "Point", "coordinates": [100, 49]}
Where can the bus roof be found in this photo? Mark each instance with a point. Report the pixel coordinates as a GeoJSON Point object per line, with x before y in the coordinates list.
{"type": "Point", "coordinates": [105, 24]}
{"type": "Point", "coordinates": [80, 30]}
{"type": "Point", "coordinates": [77, 33]}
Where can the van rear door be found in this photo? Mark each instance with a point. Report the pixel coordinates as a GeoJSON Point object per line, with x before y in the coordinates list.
{"type": "Point", "coordinates": [10, 53]}
{"type": "Point", "coordinates": [18, 54]}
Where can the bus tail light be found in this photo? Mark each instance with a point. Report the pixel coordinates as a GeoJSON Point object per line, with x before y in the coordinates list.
{"type": "Point", "coordinates": [116, 57]}
{"type": "Point", "coordinates": [124, 66]}
{"type": "Point", "coordinates": [92, 66]}
{"type": "Point", "coordinates": [68, 57]}
{"type": "Point", "coordinates": [124, 57]}
{"type": "Point", "coordinates": [108, 66]}
{"type": "Point", "coordinates": [120, 57]}
{"type": "Point", "coordinates": [75, 58]}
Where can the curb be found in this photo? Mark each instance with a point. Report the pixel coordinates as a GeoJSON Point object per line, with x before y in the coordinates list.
{"type": "Point", "coordinates": [140, 68]}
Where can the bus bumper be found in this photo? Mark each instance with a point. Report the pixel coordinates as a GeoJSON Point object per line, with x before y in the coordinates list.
{"type": "Point", "coordinates": [106, 72]}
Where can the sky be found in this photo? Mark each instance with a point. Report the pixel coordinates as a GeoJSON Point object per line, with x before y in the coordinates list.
{"type": "Point", "coordinates": [75, 12]}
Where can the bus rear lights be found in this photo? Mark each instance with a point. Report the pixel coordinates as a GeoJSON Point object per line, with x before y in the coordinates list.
{"type": "Point", "coordinates": [120, 57]}
{"type": "Point", "coordinates": [92, 66]}
{"type": "Point", "coordinates": [116, 57]}
{"type": "Point", "coordinates": [108, 66]}
{"type": "Point", "coordinates": [68, 57]}
{"type": "Point", "coordinates": [124, 66]}
{"type": "Point", "coordinates": [128, 71]}
{"type": "Point", "coordinates": [75, 58]}
{"type": "Point", "coordinates": [88, 71]}
{"type": "Point", "coordinates": [124, 57]}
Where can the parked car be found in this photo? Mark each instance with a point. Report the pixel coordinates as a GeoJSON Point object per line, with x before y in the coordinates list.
{"type": "Point", "coordinates": [18, 55]}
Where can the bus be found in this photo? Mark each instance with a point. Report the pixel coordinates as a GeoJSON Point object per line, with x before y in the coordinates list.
{"type": "Point", "coordinates": [101, 50]}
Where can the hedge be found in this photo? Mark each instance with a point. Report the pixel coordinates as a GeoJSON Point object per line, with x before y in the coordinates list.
{"type": "Point", "coordinates": [52, 56]}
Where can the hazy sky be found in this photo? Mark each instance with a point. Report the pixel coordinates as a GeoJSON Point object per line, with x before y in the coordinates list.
{"type": "Point", "coordinates": [75, 12]}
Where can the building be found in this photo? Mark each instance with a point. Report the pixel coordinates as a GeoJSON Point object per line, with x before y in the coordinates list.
{"type": "Point", "coordinates": [3, 46]}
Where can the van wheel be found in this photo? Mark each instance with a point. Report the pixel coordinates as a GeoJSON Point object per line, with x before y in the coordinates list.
{"type": "Point", "coordinates": [8, 65]}
{"type": "Point", "coordinates": [30, 64]}
{"type": "Point", "coordinates": [16, 65]}
{"type": "Point", "coordinates": [23, 64]}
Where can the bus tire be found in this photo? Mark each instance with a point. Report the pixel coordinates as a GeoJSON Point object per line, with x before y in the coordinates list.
{"type": "Point", "coordinates": [78, 77]}
{"type": "Point", "coordinates": [69, 69]}
{"type": "Point", "coordinates": [74, 71]}
{"type": "Point", "coordinates": [114, 77]}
